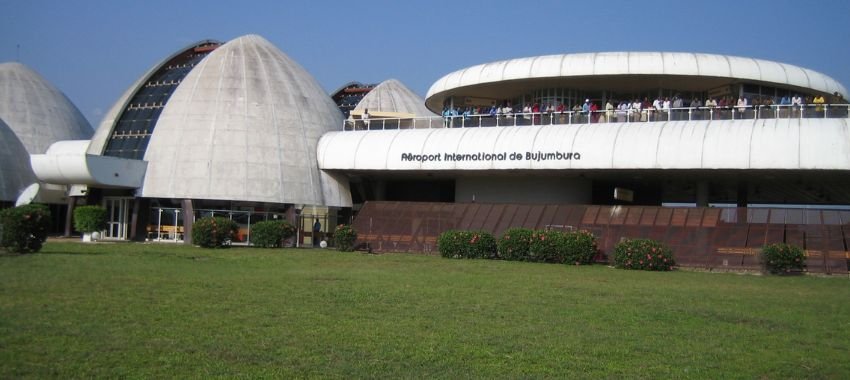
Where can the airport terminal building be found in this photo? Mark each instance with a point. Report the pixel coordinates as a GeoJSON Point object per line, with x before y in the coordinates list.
{"type": "Point", "coordinates": [239, 129]}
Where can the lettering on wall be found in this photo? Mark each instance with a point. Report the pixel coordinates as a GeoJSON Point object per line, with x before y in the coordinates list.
{"type": "Point", "coordinates": [483, 156]}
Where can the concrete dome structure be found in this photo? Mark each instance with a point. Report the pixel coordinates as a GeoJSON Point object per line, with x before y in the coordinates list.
{"type": "Point", "coordinates": [392, 96]}
{"type": "Point", "coordinates": [15, 172]}
{"type": "Point", "coordinates": [244, 125]}
{"type": "Point", "coordinates": [36, 111]}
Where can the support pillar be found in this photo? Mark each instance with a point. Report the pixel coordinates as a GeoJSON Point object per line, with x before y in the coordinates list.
{"type": "Point", "coordinates": [702, 194]}
{"type": "Point", "coordinates": [134, 219]}
{"type": "Point", "coordinates": [188, 216]}
{"type": "Point", "coordinates": [69, 219]}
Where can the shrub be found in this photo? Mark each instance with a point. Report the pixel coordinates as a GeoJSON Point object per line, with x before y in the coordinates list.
{"type": "Point", "coordinates": [547, 246]}
{"type": "Point", "coordinates": [515, 244]}
{"type": "Point", "coordinates": [344, 237]}
{"type": "Point", "coordinates": [271, 233]}
{"type": "Point", "coordinates": [213, 232]}
{"type": "Point", "coordinates": [579, 247]}
{"type": "Point", "coordinates": [783, 258]}
{"type": "Point", "coordinates": [90, 218]}
{"type": "Point", "coordinates": [643, 254]}
{"type": "Point", "coordinates": [23, 229]}
{"type": "Point", "coordinates": [467, 244]}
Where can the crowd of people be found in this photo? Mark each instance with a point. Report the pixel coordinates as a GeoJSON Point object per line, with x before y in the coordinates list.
{"type": "Point", "coordinates": [659, 109]}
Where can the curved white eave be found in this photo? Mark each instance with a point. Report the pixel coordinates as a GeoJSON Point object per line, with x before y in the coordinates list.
{"type": "Point", "coordinates": [636, 63]}
{"type": "Point", "coordinates": [784, 144]}
{"type": "Point", "coordinates": [66, 163]}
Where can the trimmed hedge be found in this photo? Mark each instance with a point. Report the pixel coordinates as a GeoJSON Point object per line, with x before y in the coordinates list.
{"type": "Point", "coordinates": [213, 232]}
{"type": "Point", "coordinates": [643, 254]}
{"type": "Point", "coordinates": [515, 244]}
{"type": "Point", "coordinates": [783, 258]}
{"type": "Point", "coordinates": [271, 233]}
{"type": "Point", "coordinates": [467, 244]}
{"type": "Point", "coordinates": [90, 218]}
{"type": "Point", "coordinates": [344, 237]}
{"type": "Point", "coordinates": [580, 247]}
{"type": "Point", "coordinates": [24, 229]}
{"type": "Point", "coordinates": [577, 247]}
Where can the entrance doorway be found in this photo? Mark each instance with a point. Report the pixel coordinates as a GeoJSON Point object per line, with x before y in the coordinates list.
{"type": "Point", "coordinates": [117, 215]}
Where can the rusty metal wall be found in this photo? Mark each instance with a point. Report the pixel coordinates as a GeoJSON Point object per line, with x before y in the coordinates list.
{"type": "Point", "coordinates": [711, 238]}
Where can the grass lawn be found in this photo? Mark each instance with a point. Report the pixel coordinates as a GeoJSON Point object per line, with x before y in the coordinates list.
{"type": "Point", "coordinates": [154, 310]}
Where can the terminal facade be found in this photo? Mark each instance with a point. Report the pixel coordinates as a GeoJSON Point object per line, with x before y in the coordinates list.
{"type": "Point", "coordinates": [238, 129]}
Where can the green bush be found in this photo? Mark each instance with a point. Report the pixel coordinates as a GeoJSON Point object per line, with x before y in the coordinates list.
{"type": "Point", "coordinates": [783, 258]}
{"type": "Point", "coordinates": [643, 254]}
{"type": "Point", "coordinates": [515, 244]}
{"type": "Point", "coordinates": [344, 237]}
{"type": "Point", "coordinates": [213, 232]}
{"type": "Point", "coordinates": [579, 247]}
{"type": "Point", "coordinates": [90, 218]}
{"type": "Point", "coordinates": [271, 233]}
{"type": "Point", "coordinates": [24, 229]}
{"type": "Point", "coordinates": [547, 247]}
{"type": "Point", "coordinates": [467, 244]}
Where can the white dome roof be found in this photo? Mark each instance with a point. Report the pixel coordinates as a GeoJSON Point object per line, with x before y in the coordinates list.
{"type": "Point", "coordinates": [393, 96]}
{"type": "Point", "coordinates": [244, 125]}
{"type": "Point", "coordinates": [15, 171]}
{"type": "Point", "coordinates": [36, 111]}
{"type": "Point", "coordinates": [632, 63]}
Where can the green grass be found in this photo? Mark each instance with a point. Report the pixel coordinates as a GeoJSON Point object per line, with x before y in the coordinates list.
{"type": "Point", "coordinates": [154, 311]}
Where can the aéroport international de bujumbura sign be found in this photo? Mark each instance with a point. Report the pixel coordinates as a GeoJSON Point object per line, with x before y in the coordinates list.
{"type": "Point", "coordinates": [483, 156]}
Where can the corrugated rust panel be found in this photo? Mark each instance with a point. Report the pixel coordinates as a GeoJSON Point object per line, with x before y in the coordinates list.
{"type": "Point", "coordinates": [497, 212]}
{"type": "Point", "coordinates": [680, 215]}
{"type": "Point", "coordinates": [663, 217]}
{"type": "Point", "coordinates": [467, 222]}
{"type": "Point", "coordinates": [604, 216]}
{"type": "Point", "coordinates": [756, 235]}
{"type": "Point", "coordinates": [648, 215]}
{"type": "Point", "coordinates": [793, 216]}
{"type": "Point", "coordinates": [777, 216]}
{"type": "Point", "coordinates": [633, 217]}
{"type": "Point", "coordinates": [831, 217]}
{"type": "Point", "coordinates": [559, 218]}
{"type": "Point", "coordinates": [618, 215]}
{"type": "Point", "coordinates": [694, 217]}
{"type": "Point", "coordinates": [711, 217]}
{"type": "Point", "coordinates": [813, 217]}
{"type": "Point", "coordinates": [590, 214]}
{"type": "Point", "coordinates": [548, 214]}
{"type": "Point", "coordinates": [480, 217]}
{"type": "Point", "coordinates": [704, 237]}
{"type": "Point", "coordinates": [535, 213]}
{"type": "Point", "coordinates": [757, 215]}
{"type": "Point", "coordinates": [572, 217]}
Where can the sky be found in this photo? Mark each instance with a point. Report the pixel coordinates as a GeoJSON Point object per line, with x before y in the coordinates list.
{"type": "Point", "coordinates": [94, 50]}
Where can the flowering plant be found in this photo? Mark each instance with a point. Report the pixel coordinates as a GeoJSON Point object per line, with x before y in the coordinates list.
{"type": "Point", "coordinates": [467, 244]}
{"type": "Point", "coordinates": [783, 258]}
{"type": "Point", "coordinates": [344, 237]}
{"type": "Point", "coordinates": [643, 254]}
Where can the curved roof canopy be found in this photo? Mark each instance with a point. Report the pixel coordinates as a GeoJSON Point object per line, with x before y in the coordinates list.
{"type": "Point", "coordinates": [15, 172]}
{"type": "Point", "coordinates": [36, 111]}
{"type": "Point", "coordinates": [772, 144]}
{"type": "Point", "coordinates": [244, 125]}
{"type": "Point", "coordinates": [505, 79]}
{"type": "Point", "coordinates": [393, 97]}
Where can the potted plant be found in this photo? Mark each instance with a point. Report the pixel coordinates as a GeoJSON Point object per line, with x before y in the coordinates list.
{"type": "Point", "coordinates": [90, 220]}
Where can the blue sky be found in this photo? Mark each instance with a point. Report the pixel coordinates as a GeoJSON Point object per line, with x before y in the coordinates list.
{"type": "Point", "coordinates": [93, 50]}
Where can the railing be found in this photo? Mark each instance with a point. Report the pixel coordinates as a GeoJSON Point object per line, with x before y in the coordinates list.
{"type": "Point", "coordinates": [631, 115]}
